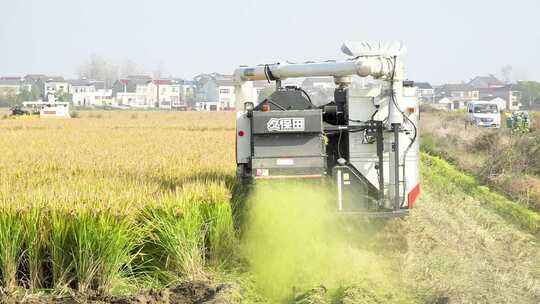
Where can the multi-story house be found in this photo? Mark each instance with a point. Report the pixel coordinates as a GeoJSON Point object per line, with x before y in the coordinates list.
{"type": "Point", "coordinates": [56, 86]}
{"type": "Point", "coordinates": [457, 92]}
{"type": "Point", "coordinates": [187, 95]}
{"type": "Point", "coordinates": [11, 86]}
{"type": "Point", "coordinates": [83, 92]}
{"type": "Point", "coordinates": [89, 92]}
{"type": "Point", "coordinates": [489, 87]}
{"type": "Point", "coordinates": [168, 93]}
{"type": "Point", "coordinates": [485, 82]}
{"type": "Point", "coordinates": [219, 89]}
{"type": "Point", "coordinates": [509, 93]}
{"type": "Point", "coordinates": [424, 91]}
{"type": "Point", "coordinates": [135, 91]}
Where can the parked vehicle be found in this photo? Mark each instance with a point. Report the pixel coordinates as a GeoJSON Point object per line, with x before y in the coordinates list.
{"type": "Point", "coordinates": [485, 114]}
{"type": "Point", "coordinates": [18, 111]}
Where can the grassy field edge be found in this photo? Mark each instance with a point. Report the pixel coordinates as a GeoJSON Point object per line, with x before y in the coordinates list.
{"type": "Point", "coordinates": [441, 173]}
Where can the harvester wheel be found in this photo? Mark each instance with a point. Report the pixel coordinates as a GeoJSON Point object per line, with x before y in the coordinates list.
{"type": "Point", "coordinates": [243, 174]}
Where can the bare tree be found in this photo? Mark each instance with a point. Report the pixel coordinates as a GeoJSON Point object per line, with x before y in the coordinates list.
{"type": "Point", "coordinates": [98, 68]}
{"type": "Point", "coordinates": [129, 67]}
{"type": "Point", "coordinates": [158, 71]}
{"type": "Point", "coordinates": [506, 73]}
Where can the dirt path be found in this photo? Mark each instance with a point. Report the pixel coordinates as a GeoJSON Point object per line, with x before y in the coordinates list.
{"type": "Point", "coordinates": [185, 293]}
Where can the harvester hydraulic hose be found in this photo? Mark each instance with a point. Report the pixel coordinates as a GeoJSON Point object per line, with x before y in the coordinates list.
{"type": "Point", "coordinates": [396, 167]}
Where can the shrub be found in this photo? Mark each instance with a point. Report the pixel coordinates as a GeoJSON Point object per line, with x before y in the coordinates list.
{"type": "Point", "coordinates": [428, 108]}
{"type": "Point", "coordinates": [485, 142]}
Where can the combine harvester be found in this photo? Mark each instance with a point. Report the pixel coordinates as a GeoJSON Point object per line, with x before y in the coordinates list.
{"type": "Point", "coordinates": [46, 109]}
{"type": "Point", "coordinates": [365, 140]}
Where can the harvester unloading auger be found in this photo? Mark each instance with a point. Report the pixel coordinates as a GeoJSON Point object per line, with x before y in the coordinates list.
{"type": "Point", "coordinates": [365, 140]}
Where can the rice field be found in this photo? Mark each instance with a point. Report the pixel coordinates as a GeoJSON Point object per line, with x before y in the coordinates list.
{"type": "Point", "coordinates": [112, 202]}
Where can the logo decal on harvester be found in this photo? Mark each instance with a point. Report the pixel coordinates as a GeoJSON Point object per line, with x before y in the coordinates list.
{"type": "Point", "coordinates": [286, 124]}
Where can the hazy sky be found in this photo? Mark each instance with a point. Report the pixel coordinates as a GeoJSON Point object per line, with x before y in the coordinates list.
{"type": "Point", "coordinates": [447, 40]}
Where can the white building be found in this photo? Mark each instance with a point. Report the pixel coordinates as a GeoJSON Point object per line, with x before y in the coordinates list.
{"type": "Point", "coordinates": [168, 93]}
{"type": "Point", "coordinates": [56, 86]}
{"type": "Point", "coordinates": [147, 92]}
{"type": "Point", "coordinates": [143, 92]}
{"type": "Point", "coordinates": [89, 93]}
{"type": "Point", "coordinates": [104, 97]}
{"type": "Point", "coordinates": [135, 92]}
{"type": "Point", "coordinates": [219, 89]}
{"type": "Point", "coordinates": [83, 93]}
{"type": "Point", "coordinates": [130, 99]}
{"type": "Point", "coordinates": [424, 91]}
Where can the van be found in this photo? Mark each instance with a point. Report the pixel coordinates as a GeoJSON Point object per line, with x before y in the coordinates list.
{"type": "Point", "coordinates": [485, 114]}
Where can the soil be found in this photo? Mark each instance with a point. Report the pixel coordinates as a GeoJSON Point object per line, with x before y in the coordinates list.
{"type": "Point", "coordinates": [186, 293]}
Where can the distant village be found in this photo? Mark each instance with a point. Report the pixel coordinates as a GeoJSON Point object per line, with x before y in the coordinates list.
{"type": "Point", "coordinates": [206, 92]}
{"type": "Point", "coordinates": [454, 96]}
{"type": "Point", "coordinates": [215, 92]}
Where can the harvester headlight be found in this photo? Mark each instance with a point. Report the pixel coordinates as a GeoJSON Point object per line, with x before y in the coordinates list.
{"type": "Point", "coordinates": [248, 106]}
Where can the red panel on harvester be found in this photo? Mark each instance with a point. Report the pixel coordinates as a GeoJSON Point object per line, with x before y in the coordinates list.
{"type": "Point", "coordinates": [413, 195]}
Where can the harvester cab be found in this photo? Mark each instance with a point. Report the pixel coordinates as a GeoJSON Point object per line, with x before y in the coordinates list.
{"type": "Point", "coordinates": [365, 140]}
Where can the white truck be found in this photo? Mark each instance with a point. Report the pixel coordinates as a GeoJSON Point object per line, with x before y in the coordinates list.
{"type": "Point", "coordinates": [486, 114]}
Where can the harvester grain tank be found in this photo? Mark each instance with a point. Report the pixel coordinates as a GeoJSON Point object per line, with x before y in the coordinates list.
{"type": "Point", "coordinates": [365, 140]}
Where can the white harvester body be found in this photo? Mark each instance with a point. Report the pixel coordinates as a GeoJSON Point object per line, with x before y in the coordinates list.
{"type": "Point", "coordinates": [365, 140]}
{"type": "Point", "coordinates": [49, 109]}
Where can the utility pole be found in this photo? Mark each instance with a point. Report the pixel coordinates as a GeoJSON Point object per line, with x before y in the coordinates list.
{"type": "Point", "coordinates": [157, 101]}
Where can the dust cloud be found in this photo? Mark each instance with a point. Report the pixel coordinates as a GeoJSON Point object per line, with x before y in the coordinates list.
{"type": "Point", "coordinates": [295, 241]}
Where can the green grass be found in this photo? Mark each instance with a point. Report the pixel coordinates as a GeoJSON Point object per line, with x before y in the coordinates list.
{"type": "Point", "coordinates": [35, 244]}
{"type": "Point", "coordinates": [11, 246]}
{"type": "Point", "coordinates": [177, 236]}
{"type": "Point", "coordinates": [104, 251]}
{"type": "Point", "coordinates": [447, 178]}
